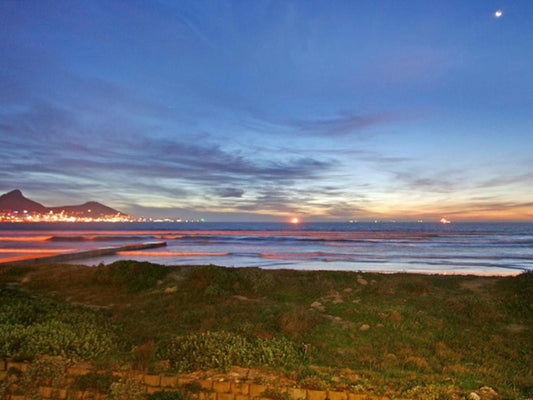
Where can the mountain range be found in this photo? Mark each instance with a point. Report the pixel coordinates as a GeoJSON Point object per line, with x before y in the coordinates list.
{"type": "Point", "coordinates": [16, 201]}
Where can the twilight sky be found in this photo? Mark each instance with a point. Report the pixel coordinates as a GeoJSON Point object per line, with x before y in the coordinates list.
{"type": "Point", "coordinates": [264, 110]}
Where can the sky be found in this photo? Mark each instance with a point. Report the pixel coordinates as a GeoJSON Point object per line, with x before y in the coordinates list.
{"type": "Point", "coordinates": [268, 110]}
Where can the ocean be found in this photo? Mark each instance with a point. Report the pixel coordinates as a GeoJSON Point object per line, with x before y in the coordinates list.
{"type": "Point", "coordinates": [457, 248]}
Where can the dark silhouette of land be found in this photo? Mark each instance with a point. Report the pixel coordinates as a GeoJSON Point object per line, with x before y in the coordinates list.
{"type": "Point", "coordinates": [15, 201]}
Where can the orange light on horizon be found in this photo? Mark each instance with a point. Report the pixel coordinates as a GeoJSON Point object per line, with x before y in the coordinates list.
{"type": "Point", "coordinates": [295, 220]}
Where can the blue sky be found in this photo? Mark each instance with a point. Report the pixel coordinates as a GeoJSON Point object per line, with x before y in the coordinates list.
{"type": "Point", "coordinates": [264, 110]}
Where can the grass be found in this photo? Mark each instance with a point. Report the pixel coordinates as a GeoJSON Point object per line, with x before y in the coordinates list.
{"type": "Point", "coordinates": [395, 334]}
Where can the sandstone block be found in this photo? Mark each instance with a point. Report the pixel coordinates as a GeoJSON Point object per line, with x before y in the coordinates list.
{"type": "Point", "coordinates": [152, 380]}
{"type": "Point", "coordinates": [46, 391]}
{"type": "Point", "coordinates": [206, 384]}
{"type": "Point", "coordinates": [354, 396]}
{"type": "Point", "coordinates": [316, 395]}
{"type": "Point", "coordinates": [222, 387]}
{"type": "Point", "coordinates": [257, 390]}
{"type": "Point", "coordinates": [296, 393]}
{"type": "Point", "coordinates": [169, 381]}
{"type": "Point", "coordinates": [337, 395]}
{"type": "Point", "coordinates": [242, 397]}
{"type": "Point", "coordinates": [151, 389]}
{"type": "Point", "coordinates": [225, 396]}
{"type": "Point", "coordinates": [240, 388]}
{"type": "Point", "coordinates": [207, 396]}
{"type": "Point", "coordinates": [184, 381]}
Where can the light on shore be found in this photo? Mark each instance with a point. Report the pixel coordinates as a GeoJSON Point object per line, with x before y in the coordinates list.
{"type": "Point", "coordinates": [498, 13]}
{"type": "Point", "coordinates": [295, 220]}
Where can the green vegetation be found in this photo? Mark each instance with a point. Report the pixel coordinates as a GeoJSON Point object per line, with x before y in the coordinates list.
{"type": "Point", "coordinates": [30, 326]}
{"type": "Point", "coordinates": [407, 335]}
{"type": "Point", "coordinates": [131, 276]}
{"type": "Point", "coordinates": [223, 349]}
{"type": "Point", "coordinates": [94, 382]}
{"type": "Point", "coordinates": [168, 396]}
{"type": "Point", "coordinates": [50, 372]}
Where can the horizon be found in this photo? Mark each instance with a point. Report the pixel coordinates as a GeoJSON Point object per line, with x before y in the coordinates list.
{"type": "Point", "coordinates": [286, 220]}
{"type": "Point", "coordinates": [240, 111]}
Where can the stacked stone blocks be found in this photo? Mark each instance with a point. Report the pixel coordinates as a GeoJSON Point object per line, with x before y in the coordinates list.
{"type": "Point", "coordinates": [210, 390]}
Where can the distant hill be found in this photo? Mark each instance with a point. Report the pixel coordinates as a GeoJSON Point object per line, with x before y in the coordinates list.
{"type": "Point", "coordinates": [89, 209]}
{"type": "Point", "coordinates": [15, 201]}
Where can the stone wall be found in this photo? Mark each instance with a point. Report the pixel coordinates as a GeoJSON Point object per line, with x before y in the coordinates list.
{"type": "Point", "coordinates": [210, 389]}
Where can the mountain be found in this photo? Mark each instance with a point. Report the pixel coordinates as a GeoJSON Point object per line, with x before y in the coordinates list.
{"type": "Point", "coordinates": [15, 201]}
{"type": "Point", "coordinates": [89, 209]}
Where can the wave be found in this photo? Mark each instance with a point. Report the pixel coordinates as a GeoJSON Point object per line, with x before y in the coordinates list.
{"type": "Point", "coordinates": [96, 238]}
{"type": "Point", "coordinates": [172, 253]}
{"type": "Point", "coordinates": [34, 251]}
{"type": "Point", "coordinates": [24, 238]}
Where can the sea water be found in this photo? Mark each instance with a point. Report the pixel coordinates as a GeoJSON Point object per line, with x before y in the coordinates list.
{"type": "Point", "coordinates": [464, 248]}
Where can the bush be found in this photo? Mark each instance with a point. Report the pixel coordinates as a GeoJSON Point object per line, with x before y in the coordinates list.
{"type": "Point", "coordinates": [127, 389]}
{"type": "Point", "coordinates": [275, 394]}
{"type": "Point", "coordinates": [30, 327]}
{"type": "Point", "coordinates": [223, 349]}
{"type": "Point", "coordinates": [43, 372]}
{"type": "Point", "coordinates": [432, 392]}
{"type": "Point", "coordinates": [95, 382]}
{"type": "Point", "coordinates": [133, 276]}
{"type": "Point", "coordinates": [169, 396]}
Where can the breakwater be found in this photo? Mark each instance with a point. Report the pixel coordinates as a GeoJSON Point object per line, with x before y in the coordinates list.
{"type": "Point", "coordinates": [77, 255]}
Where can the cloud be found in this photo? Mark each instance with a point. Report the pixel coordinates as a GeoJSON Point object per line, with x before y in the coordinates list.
{"type": "Point", "coordinates": [339, 125]}
{"type": "Point", "coordinates": [342, 124]}
{"type": "Point", "coordinates": [229, 192]}
{"type": "Point", "coordinates": [47, 145]}
{"type": "Point", "coordinates": [521, 179]}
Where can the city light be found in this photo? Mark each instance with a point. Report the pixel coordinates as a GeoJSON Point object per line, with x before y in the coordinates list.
{"type": "Point", "coordinates": [13, 216]}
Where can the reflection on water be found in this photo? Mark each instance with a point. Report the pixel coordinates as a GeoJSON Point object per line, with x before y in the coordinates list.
{"type": "Point", "coordinates": [452, 248]}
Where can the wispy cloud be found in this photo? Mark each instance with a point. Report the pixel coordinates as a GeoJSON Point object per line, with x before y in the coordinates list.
{"type": "Point", "coordinates": [342, 124]}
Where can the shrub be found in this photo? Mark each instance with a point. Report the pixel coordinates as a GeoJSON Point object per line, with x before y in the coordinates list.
{"type": "Point", "coordinates": [95, 382]}
{"type": "Point", "coordinates": [432, 392]}
{"type": "Point", "coordinates": [179, 395]}
{"type": "Point", "coordinates": [127, 389]}
{"type": "Point", "coordinates": [275, 394]}
{"type": "Point", "coordinates": [223, 349]}
{"type": "Point", "coordinates": [43, 372]}
{"type": "Point", "coordinates": [133, 276]}
{"type": "Point", "coordinates": [313, 382]}
{"type": "Point", "coordinates": [30, 327]}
